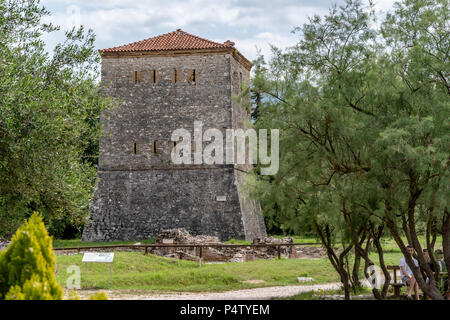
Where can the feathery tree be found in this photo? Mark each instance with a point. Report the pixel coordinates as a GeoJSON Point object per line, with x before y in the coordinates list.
{"type": "Point", "coordinates": [364, 134]}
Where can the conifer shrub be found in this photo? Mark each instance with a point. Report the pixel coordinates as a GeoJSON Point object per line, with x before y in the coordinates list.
{"type": "Point", "coordinates": [27, 267]}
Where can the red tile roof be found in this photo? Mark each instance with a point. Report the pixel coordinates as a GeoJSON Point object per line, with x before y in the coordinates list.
{"type": "Point", "coordinates": [176, 40]}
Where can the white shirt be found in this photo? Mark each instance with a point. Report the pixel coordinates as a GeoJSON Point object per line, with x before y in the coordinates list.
{"type": "Point", "coordinates": [405, 265]}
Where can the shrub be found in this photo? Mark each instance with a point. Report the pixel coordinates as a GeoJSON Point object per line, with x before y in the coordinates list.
{"type": "Point", "coordinates": [63, 227]}
{"type": "Point", "coordinates": [73, 295]}
{"type": "Point", "coordinates": [99, 296]}
{"type": "Point", "coordinates": [27, 267]}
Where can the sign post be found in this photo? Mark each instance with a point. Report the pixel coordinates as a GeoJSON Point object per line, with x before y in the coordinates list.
{"type": "Point", "coordinates": [98, 257]}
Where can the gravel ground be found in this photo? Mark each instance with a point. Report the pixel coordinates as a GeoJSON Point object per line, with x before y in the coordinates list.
{"type": "Point", "coordinates": [250, 294]}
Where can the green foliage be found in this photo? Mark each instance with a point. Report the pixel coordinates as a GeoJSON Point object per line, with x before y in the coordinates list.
{"type": "Point", "coordinates": [49, 120]}
{"type": "Point", "coordinates": [99, 296]}
{"type": "Point", "coordinates": [63, 227]}
{"type": "Point", "coordinates": [363, 113]}
{"type": "Point", "coordinates": [59, 243]}
{"type": "Point", "coordinates": [353, 119]}
{"type": "Point", "coordinates": [73, 295]}
{"type": "Point", "coordinates": [27, 267]}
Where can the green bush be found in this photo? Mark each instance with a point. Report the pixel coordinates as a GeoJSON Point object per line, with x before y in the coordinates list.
{"type": "Point", "coordinates": [63, 227]}
{"type": "Point", "coordinates": [98, 296]}
{"type": "Point", "coordinates": [27, 267]}
{"type": "Point", "coordinates": [73, 295]}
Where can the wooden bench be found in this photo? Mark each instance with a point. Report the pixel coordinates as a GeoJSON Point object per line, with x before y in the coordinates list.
{"type": "Point", "coordinates": [396, 285]}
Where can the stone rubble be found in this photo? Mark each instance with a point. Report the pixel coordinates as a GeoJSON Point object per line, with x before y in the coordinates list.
{"type": "Point", "coordinates": [182, 236]}
{"type": "Point", "coordinates": [218, 254]}
{"type": "Point", "coordinates": [227, 254]}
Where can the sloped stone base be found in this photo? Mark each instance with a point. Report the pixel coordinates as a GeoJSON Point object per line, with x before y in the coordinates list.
{"type": "Point", "coordinates": [134, 205]}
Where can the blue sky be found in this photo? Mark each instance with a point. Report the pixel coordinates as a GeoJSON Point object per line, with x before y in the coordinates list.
{"type": "Point", "coordinates": [250, 24]}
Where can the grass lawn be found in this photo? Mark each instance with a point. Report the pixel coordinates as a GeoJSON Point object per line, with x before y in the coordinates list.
{"type": "Point", "coordinates": [58, 243]}
{"type": "Point", "coordinates": [135, 271]}
{"type": "Point", "coordinates": [311, 295]}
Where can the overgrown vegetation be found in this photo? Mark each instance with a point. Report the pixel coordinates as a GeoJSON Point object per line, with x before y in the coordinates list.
{"type": "Point", "coordinates": [363, 113]}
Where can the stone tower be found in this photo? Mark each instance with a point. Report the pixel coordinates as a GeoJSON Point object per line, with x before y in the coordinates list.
{"type": "Point", "coordinates": [166, 83]}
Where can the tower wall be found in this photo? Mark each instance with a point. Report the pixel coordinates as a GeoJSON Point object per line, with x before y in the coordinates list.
{"type": "Point", "coordinates": [140, 192]}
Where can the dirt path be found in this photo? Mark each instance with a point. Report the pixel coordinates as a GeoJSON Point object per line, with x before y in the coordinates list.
{"type": "Point", "coordinates": [250, 294]}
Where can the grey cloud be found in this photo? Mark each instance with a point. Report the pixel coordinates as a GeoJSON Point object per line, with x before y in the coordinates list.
{"type": "Point", "coordinates": [248, 23]}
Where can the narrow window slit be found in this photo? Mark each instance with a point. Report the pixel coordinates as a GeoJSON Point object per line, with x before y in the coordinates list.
{"type": "Point", "coordinates": [175, 76]}
{"type": "Point", "coordinates": [173, 144]}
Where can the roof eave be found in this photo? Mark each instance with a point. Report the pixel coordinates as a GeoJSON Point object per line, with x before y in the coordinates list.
{"type": "Point", "coordinates": [104, 53]}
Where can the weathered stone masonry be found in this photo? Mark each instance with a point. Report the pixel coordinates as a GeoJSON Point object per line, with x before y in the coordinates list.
{"type": "Point", "coordinates": [140, 192]}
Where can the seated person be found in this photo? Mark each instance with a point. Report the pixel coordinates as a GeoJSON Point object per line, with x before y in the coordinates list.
{"type": "Point", "coordinates": [407, 274]}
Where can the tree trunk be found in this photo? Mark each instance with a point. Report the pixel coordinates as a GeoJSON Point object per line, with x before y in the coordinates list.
{"type": "Point", "coordinates": [387, 276]}
{"type": "Point", "coordinates": [430, 289]}
{"type": "Point", "coordinates": [431, 240]}
{"type": "Point", "coordinates": [345, 282]}
{"type": "Point", "coordinates": [355, 271]}
{"type": "Point", "coordinates": [405, 228]}
{"type": "Point", "coordinates": [446, 241]}
{"type": "Point", "coordinates": [337, 263]}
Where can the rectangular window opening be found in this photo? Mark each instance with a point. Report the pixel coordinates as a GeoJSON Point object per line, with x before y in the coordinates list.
{"type": "Point", "coordinates": [175, 76]}
{"type": "Point", "coordinates": [192, 77]}
{"type": "Point", "coordinates": [240, 80]}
